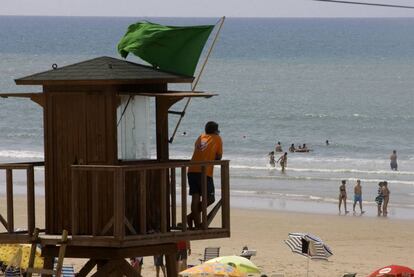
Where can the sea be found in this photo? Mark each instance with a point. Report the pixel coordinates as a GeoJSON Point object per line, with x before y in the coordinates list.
{"type": "Point", "coordinates": [293, 80]}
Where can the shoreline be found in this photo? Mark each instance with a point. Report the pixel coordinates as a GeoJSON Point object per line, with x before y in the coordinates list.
{"type": "Point", "coordinates": [315, 207]}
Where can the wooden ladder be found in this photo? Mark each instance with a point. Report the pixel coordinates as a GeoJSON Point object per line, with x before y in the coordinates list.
{"type": "Point", "coordinates": [57, 271]}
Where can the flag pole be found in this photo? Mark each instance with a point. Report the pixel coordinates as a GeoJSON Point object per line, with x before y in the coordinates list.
{"type": "Point", "coordinates": [194, 85]}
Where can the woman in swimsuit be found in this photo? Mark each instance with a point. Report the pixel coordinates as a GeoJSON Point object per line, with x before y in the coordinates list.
{"type": "Point", "coordinates": [342, 196]}
{"type": "Point", "coordinates": [283, 161]}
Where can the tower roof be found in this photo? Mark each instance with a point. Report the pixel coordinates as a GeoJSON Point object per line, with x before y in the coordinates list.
{"type": "Point", "coordinates": [103, 71]}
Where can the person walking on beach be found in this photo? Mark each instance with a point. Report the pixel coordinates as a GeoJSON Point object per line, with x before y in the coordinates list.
{"type": "Point", "coordinates": [272, 159]}
{"type": "Point", "coordinates": [342, 196]}
{"type": "Point", "coordinates": [393, 160]}
{"type": "Point", "coordinates": [136, 263]}
{"type": "Point", "coordinates": [278, 147]}
{"type": "Point", "coordinates": [208, 147]}
{"type": "Point", "coordinates": [159, 264]}
{"type": "Point", "coordinates": [358, 195]}
{"type": "Point", "coordinates": [283, 161]}
{"type": "Point", "coordinates": [183, 246]}
{"type": "Point", "coordinates": [379, 199]}
{"type": "Point", "coordinates": [386, 197]}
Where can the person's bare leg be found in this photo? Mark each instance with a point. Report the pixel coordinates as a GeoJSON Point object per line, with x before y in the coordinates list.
{"type": "Point", "coordinates": [353, 208]}
{"type": "Point", "coordinates": [339, 204]}
{"type": "Point", "coordinates": [379, 210]}
{"type": "Point", "coordinates": [195, 209]}
{"type": "Point", "coordinates": [346, 211]}
{"type": "Point", "coordinates": [157, 270]}
{"type": "Point", "coordinates": [385, 207]}
{"type": "Point", "coordinates": [184, 264]}
{"type": "Point", "coordinates": [163, 270]}
{"type": "Point", "coordinates": [360, 207]}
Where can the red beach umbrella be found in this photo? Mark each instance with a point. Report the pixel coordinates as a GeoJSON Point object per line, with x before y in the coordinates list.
{"type": "Point", "coordinates": [393, 270]}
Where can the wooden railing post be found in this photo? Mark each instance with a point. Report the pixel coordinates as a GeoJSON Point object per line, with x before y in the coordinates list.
{"type": "Point", "coordinates": [204, 197]}
{"type": "Point", "coordinates": [75, 203]}
{"type": "Point", "coordinates": [225, 196]}
{"type": "Point", "coordinates": [143, 202]}
{"type": "Point", "coordinates": [30, 200]}
{"type": "Point", "coordinates": [163, 192]}
{"type": "Point", "coordinates": [95, 202]}
{"type": "Point", "coordinates": [184, 198]}
{"type": "Point", "coordinates": [119, 203]}
{"type": "Point", "coordinates": [10, 206]}
{"type": "Point", "coordinates": [173, 198]}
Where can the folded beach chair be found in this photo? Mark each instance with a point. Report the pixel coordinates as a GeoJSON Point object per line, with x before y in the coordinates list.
{"type": "Point", "coordinates": [13, 272]}
{"type": "Point", "coordinates": [67, 271]}
{"type": "Point", "coordinates": [210, 253]}
{"type": "Point", "coordinates": [248, 253]}
{"type": "Point", "coordinates": [349, 275]}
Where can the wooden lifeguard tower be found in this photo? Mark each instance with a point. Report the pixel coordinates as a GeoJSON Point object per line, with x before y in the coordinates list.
{"type": "Point", "coordinates": [100, 183]}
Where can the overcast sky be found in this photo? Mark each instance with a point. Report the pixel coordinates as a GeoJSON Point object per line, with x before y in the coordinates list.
{"type": "Point", "coordinates": [202, 8]}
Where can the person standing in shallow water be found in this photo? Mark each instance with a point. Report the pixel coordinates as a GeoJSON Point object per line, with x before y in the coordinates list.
{"type": "Point", "coordinates": [393, 160]}
{"type": "Point", "coordinates": [272, 159]}
{"type": "Point", "coordinates": [283, 161]}
{"type": "Point", "coordinates": [386, 197]}
{"type": "Point", "coordinates": [358, 195]}
{"type": "Point", "coordinates": [342, 196]}
{"type": "Point", "coordinates": [380, 198]}
{"type": "Point", "coordinates": [278, 147]}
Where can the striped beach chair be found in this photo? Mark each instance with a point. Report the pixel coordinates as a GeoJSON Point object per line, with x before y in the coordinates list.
{"type": "Point", "coordinates": [67, 271]}
{"type": "Point", "coordinates": [13, 272]}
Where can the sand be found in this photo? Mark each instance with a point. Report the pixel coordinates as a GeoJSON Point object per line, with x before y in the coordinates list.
{"type": "Point", "coordinates": [360, 243]}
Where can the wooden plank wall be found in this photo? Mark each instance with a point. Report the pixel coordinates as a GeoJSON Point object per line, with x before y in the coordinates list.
{"type": "Point", "coordinates": [80, 128]}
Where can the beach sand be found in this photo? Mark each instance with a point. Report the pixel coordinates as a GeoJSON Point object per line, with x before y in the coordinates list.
{"type": "Point", "coordinates": [360, 243]}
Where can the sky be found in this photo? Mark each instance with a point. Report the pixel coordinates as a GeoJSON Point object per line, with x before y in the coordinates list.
{"type": "Point", "coordinates": [202, 8]}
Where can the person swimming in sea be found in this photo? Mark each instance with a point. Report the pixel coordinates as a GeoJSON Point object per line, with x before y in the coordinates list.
{"type": "Point", "coordinates": [278, 147]}
{"type": "Point", "coordinates": [292, 148]}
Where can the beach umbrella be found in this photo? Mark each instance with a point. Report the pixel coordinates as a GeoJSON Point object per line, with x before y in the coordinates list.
{"type": "Point", "coordinates": [242, 264]}
{"type": "Point", "coordinates": [309, 246]}
{"type": "Point", "coordinates": [393, 270]}
{"type": "Point", "coordinates": [10, 252]}
{"type": "Point", "coordinates": [211, 270]}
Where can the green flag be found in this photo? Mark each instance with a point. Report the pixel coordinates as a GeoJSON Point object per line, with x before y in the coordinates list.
{"type": "Point", "coordinates": [169, 48]}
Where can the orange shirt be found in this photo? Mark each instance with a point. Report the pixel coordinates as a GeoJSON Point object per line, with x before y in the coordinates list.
{"type": "Point", "coordinates": [206, 148]}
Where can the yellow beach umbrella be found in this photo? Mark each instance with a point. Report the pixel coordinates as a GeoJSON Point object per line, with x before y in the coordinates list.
{"type": "Point", "coordinates": [242, 264]}
{"type": "Point", "coordinates": [9, 252]}
{"type": "Point", "coordinates": [211, 270]}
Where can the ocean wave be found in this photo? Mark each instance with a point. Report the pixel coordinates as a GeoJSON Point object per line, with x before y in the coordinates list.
{"type": "Point", "coordinates": [326, 170]}
{"type": "Point", "coordinates": [21, 154]}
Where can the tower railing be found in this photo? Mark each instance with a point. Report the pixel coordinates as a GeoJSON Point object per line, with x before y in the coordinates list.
{"type": "Point", "coordinates": [126, 226]}
{"type": "Point", "coordinates": [8, 220]}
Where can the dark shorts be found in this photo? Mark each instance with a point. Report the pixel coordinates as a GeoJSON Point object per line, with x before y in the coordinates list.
{"type": "Point", "coordinates": [158, 260]}
{"type": "Point", "coordinates": [182, 255]}
{"type": "Point", "coordinates": [194, 181]}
